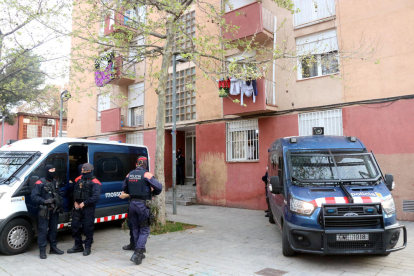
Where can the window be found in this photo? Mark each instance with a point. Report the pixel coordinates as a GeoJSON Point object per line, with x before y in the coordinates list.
{"type": "Point", "coordinates": [319, 54]}
{"type": "Point", "coordinates": [31, 131]}
{"type": "Point", "coordinates": [60, 161]}
{"type": "Point", "coordinates": [243, 140]}
{"type": "Point", "coordinates": [185, 98]}
{"type": "Point", "coordinates": [134, 16]}
{"type": "Point", "coordinates": [330, 120]}
{"type": "Point", "coordinates": [112, 166]}
{"type": "Point", "coordinates": [136, 104]}
{"type": "Point", "coordinates": [135, 138]}
{"type": "Point", "coordinates": [235, 4]}
{"type": "Point", "coordinates": [134, 51]}
{"type": "Point", "coordinates": [313, 11]}
{"type": "Point", "coordinates": [104, 103]}
{"type": "Point", "coordinates": [137, 116]}
{"type": "Point", "coordinates": [47, 131]}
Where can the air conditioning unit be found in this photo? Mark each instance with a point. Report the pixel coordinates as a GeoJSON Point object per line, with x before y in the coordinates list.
{"type": "Point", "coordinates": [50, 122]}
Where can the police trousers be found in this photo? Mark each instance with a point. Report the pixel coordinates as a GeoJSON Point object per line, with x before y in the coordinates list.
{"type": "Point", "coordinates": [138, 219]}
{"type": "Point", "coordinates": [47, 230]}
{"type": "Point", "coordinates": [83, 220]}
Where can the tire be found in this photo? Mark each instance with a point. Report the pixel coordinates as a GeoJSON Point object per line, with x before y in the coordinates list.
{"type": "Point", "coordinates": [271, 218]}
{"type": "Point", "coordinates": [16, 237]}
{"type": "Point", "coordinates": [286, 249]}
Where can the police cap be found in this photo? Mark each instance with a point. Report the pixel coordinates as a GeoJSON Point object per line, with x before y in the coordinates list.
{"type": "Point", "coordinates": [87, 167]}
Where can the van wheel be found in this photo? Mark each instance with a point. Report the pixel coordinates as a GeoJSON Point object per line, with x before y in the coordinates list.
{"type": "Point", "coordinates": [16, 237]}
{"type": "Point", "coordinates": [286, 249]}
{"type": "Point", "coordinates": [271, 218]}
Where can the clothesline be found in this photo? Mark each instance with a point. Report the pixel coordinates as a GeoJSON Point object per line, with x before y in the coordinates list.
{"type": "Point", "coordinates": [233, 86]}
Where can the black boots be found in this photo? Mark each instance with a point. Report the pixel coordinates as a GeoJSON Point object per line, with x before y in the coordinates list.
{"type": "Point", "coordinates": [138, 256]}
{"type": "Point", "coordinates": [42, 253]}
{"type": "Point", "coordinates": [75, 249]}
{"type": "Point", "coordinates": [87, 251]}
{"type": "Point", "coordinates": [55, 250]}
{"type": "Point", "coordinates": [130, 246]}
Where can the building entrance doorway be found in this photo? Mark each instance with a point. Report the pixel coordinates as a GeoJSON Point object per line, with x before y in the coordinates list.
{"type": "Point", "coordinates": [190, 151]}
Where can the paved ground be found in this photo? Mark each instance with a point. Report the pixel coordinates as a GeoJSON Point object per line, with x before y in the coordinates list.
{"type": "Point", "coordinates": [229, 242]}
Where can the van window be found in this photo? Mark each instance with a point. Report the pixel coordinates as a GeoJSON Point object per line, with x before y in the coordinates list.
{"type": "Point", "coordinates": [60, 161]}
{"type": "Point", "coordinates": [111, 166]}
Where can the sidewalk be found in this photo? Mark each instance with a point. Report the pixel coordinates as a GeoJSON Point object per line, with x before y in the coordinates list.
{"type": "Point", "coordinates": [229, 242]}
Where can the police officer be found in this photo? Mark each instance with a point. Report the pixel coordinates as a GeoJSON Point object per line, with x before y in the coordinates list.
{"type": "Point", "coordinates": [46, 195]}
{"type": "Point", "coordinates": [86, 194]}
{"type": "Point", "coordinates": [140, 186]}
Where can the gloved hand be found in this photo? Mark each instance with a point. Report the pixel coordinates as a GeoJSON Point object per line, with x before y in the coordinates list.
{"type": "Point", "coordinates": [50, 201]}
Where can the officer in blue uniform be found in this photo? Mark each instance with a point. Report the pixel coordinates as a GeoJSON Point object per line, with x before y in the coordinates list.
{"type": "Point", "coordinates": [86, 194]}
{"type": "Point", "coordinates": [45, 194]}
{"type": "Point", "coordinates": [140, 186]}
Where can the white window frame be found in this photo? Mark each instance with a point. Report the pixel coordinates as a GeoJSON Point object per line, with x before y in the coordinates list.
{"type": "Point", "coordinates": [237, 138]}
{"type": "Point", "coordinates": [315, 46]}
{"type": "Point", "coordinates": [103, 103]}
{"type": "Point", "coordinates": [330, 120]}
{"type": "Point", "coordinates": [47, 131]}
{"type": "Point", "coordinates": [313, 12]}
{"type": "Point", "coordinates": [135, 138]}
{"type": "Point", "coordinates": [136, 93]}
{"type": "Point", "coordinates": [32, 130]}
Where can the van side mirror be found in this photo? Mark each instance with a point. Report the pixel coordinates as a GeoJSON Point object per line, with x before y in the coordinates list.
{"type": "Point", "coordinates": [277, 187]}
{"type": "Point", "coordinates": [389, 182]}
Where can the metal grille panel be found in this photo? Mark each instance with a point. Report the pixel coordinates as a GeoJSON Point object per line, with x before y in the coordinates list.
{"type": "Point", "coordinates": [31, 131]}
{"type": "Point", "coordinates": [408, 206]}
{"type": "Point", "coordinates": [330, 120]}
{"type": "Point", "coordinates": [135, 138]}
{"type": "Point", "coordinates": [243, 140]}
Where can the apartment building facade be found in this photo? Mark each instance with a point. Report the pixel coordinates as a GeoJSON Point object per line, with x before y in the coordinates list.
{"type": "Point", "coordinates": [352, 64]}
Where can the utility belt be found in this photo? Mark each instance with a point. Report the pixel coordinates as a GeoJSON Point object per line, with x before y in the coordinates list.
{"type": "Point", "coordinates": [146, 201]}
{"type": "Point", "coordinates": [151, 219]}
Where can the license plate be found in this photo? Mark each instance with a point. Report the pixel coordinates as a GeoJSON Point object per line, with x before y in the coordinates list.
{"type": "Point", "coordinates": [352, 237]}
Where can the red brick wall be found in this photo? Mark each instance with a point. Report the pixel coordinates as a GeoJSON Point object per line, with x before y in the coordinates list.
{"type": "Point", "coordinates": [40, 122]}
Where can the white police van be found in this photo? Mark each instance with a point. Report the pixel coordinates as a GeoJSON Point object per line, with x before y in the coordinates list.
{"type": "Point", "coordinates": [22, 164]}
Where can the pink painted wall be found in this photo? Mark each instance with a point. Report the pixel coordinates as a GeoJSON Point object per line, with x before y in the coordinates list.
{"type": "Point", "coordinates": [150, 141]}
{"type": "Point", "coordinates": [236, 184]}
{"type": "Point", "coordinates": [230, 108]}
{"type": "Point", "coordinates": [118, 137]}
{"type": "Point", "coordinates": [10, 132]}
{"type": "Point", "coordinates": [111, 120]}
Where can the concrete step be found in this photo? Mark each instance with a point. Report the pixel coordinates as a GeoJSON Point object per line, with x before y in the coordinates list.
{"type": "Point", "coordinates": [185, 198]}
{"type": "Point", "coordinates": [185, 188]}
{"type": "Point", "coordinates": [185, 194]}
{"type": "Point", "coordinates": [180, 202]}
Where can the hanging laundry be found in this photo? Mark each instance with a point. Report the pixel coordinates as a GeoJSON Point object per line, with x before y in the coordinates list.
{"type": "Point", "coordinates": [224, 87]}
{"type": "Point", "coordinates": [247, 89]}
{"type": "Point", "coordinates": [235, 86]}
{"type": "Point", "coordinates": [254, 83]}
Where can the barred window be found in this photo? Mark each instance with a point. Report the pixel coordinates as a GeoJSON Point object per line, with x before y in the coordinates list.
{"type": "Point", "coordinates": [47, 131]}
{"type": "Point", "coordinates": [185, 98]}
{"type": "Point", "coordinates": [242, 140]}
{"type": "Point", "coordinates": [330, 120]}
{"type": "Point", "coordinates": [137, 116]}
{"type": "Point", "coordinates": [31, 131]}
{"type": "Point", "coordinates": [135, 138]}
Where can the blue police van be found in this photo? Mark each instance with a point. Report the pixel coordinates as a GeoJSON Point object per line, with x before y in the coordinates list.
{"type": "Point", "coordinates": [328, 195]}
{"type": "Point", "coordinates": [22, 164]}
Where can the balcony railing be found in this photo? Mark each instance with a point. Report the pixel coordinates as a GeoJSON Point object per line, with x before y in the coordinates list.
{"type": "Point", "coordinates": [312, 12]}
{"type": "Point", "coordinates": [123, 18]}
{"type": "Point", "coordinates": [265, 101]}
{"type": "Point", "coordinates": [253, 19]}
{"type": "Point", "coordinates": [111, 121]}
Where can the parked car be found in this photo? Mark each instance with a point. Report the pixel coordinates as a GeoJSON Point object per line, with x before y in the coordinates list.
{"type": "Point", "coordinates": [22, 164]}
{"type": "Point", "coordinates": [328, 195]}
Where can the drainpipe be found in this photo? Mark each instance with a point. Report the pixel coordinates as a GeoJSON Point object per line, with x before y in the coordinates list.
{"type": "Point", "coordinates": [274, 62]}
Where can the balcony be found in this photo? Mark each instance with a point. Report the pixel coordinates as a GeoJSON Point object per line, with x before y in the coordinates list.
{"type": "Point", "coordinates": [124, 73]}
{"type": "Point", "coordinates": [111, 121]}
{"type": "Point", "coordinates": [265, 101]}
{"type": "Point", "coordinates": [253, 19]}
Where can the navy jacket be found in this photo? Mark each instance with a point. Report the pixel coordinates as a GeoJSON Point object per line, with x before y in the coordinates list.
{"type": "Point", "coordinates": [157, 186]}
{"type": "Point", "coordinates": [39, 194]}
{"type": "Point", "coordinates": [96, 190]}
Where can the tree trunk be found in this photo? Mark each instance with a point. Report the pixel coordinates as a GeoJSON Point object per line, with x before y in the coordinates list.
{"type": "Point", "coordinates": [160, 122]}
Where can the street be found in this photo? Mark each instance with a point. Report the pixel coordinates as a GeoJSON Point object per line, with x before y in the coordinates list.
{"type": "Point", "coordinates": [229, 241]}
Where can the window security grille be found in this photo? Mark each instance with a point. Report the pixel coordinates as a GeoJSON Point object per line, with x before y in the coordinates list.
{"type": "Point", "coordinates": [137, 116]}
{"type": "Point", "coordinates": [135, 138]}
{"type": "Point", "coordinates": [242, 140]}
{"type": "Point", "coordinates": [46, 131]}
{"type": "Point", "coordinates": [330, 120]}
{"type": "Point", "coordinates": [31, 131]}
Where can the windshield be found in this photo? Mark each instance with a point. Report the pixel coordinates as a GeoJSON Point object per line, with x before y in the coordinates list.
{"type": "Point", "coordinates": [10, 162]}
{"type": "Point", "coordinates": [325, 167]}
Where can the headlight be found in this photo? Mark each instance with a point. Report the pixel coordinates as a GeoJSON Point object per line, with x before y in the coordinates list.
{"type": "Point", "coordinates": [301, 207]}
{"type": "Point", "coordinates": [388, 206]}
